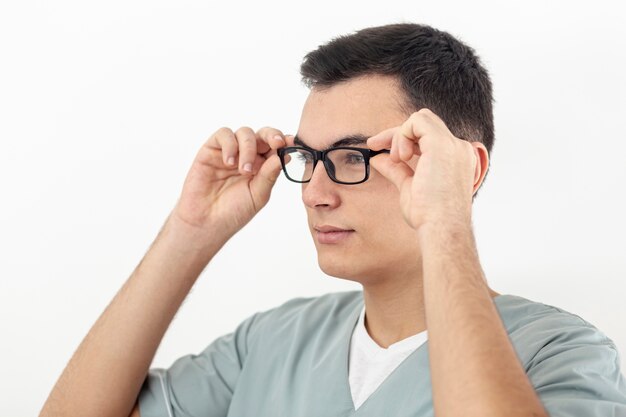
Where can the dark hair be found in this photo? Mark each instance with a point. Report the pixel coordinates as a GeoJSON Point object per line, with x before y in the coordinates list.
{"type": "Point", "coordinates": [435, 70]}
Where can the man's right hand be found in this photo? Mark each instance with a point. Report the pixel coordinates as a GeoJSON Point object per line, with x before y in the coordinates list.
{"type": "Point", "coordinates": [217, 200]}
{"type": "Point", "coordinates": [230, 180]}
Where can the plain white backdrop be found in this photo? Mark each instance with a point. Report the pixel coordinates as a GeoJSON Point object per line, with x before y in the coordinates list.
{"type": "Point", "coordinates": [104, 105]}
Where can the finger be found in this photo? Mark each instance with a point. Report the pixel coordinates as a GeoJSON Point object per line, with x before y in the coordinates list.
{"type": "Point", "coordinates": [381, 140]}
{"type": "Point", "coordinates": [224, 140]}
{"type": "Point", "coordinates": [407, 140]}
{"type": "Point", "coordinates": [412, 163]}
{"type": "Point", "coordinates": [396, 172]}
{"type": "Point", "coordinates": [289, 140]}
{"type": "Point", "coordinates": [262, 147]}
{"type": "Point", "coordinates": [406, 148]}
{"type": "Point", "coordinates": [247, 140]}
{"type": "Point", "coordinates": [262, 183]}
{"type": "Point", "coordinates": [260, 158]}
{"type": "Point", "coordinates": [426, 129]}
{"type": "Point", "coordinates": [273, 137]}
{"type": "Point", "coordinates": [395, 154]}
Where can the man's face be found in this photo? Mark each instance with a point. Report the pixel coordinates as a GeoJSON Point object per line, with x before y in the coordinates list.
{"type": "Point", "coordinates": [381, 243]}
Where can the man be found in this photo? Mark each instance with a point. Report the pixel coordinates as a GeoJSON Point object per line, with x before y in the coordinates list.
{"type": "Point", "coordinates": [392, 146]}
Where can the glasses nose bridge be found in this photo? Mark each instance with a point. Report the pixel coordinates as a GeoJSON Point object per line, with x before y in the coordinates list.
{"type": "Point", "coordinates": [320, 156]}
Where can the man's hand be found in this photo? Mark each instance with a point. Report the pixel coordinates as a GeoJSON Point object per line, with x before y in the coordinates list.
{"type": "Point", "coordinates": [230, 179]}
{"type": "Point", "coordinates": [219, 197]}
{"type": "Point", "coordinates": [474, 368]}
{"type": "Point", "coordinates": [437, 173]}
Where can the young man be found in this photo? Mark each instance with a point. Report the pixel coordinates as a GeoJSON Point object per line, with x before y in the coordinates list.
{"type": "Point", "coordinates": [392, 146]}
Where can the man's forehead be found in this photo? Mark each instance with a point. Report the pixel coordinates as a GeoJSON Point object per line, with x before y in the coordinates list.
{"type": "Point", "coordinates": [354, 139]}
{"type": "Point", "coordinates": [348, 113]}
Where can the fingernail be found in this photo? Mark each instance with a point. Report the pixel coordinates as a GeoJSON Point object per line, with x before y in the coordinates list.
{"type": "Point", "coordinates": [247, 167]}
{"type": "Point", "coordinates": [278, 137]}
{"type": "Point", "coordinates": [231, 161]}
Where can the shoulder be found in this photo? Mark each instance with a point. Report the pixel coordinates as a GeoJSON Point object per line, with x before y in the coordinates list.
{"type": "Point", "coordinates": [537, 328]}
{"type": "Point", "coordinates": [330, 303]}
{"type": "Point", "coordinates": [301, 312]}
{"type": "Point", "coordinates": [573, 366]}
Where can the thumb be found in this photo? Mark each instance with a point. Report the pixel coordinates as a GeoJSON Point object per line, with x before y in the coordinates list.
{"type": "Point", "coordinates": [262, 183]}
{"type": "Point", "coordinates": [396, 172]}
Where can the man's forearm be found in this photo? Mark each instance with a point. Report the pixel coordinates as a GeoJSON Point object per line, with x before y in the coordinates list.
{"type": "Point", "coordinates": [104, 376]}
{"type": "Point", "coordinates": [474, 368]}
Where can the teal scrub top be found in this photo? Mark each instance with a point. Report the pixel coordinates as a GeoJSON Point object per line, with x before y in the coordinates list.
{"type": "Point", "coordinates": [292, 361]}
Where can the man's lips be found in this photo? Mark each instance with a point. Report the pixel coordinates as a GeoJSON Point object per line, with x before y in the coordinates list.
{"type": "Point", "coordinates": [326, 229]}
{"type": "Point", "coordinates": [331, 234]}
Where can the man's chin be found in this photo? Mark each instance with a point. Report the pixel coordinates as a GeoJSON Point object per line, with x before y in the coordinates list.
{"type": "Point", "coordinates": [338, 267]}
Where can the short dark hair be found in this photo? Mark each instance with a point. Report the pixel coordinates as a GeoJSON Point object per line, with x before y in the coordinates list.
{"type": "Point", "coordinates": [435, 70]}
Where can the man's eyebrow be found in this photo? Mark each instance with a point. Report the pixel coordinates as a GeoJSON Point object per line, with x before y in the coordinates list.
{"type": "Point", "coordinates": [356, 139]}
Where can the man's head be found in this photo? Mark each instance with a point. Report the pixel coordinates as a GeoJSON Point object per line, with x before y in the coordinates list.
{"type": "Point", "coordinates": [433, 69]}
{"type": "Point", "coordinates": [362, 84]}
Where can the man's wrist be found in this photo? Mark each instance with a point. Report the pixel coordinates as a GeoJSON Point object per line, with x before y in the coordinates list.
{"type": "Point", "coordinates": [189, 239]}
{"type": "Point", "coordinates": [446, 228]}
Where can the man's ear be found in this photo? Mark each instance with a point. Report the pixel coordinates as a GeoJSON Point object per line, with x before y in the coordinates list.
{"type": "Point", "coordinates": [482, 165]}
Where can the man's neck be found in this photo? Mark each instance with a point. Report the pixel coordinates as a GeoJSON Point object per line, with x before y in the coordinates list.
{"type": "Point", "coordinates": [395, 311]}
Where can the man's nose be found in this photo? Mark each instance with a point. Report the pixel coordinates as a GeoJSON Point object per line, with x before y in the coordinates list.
{"type": "Point", "coordinates": [320, 190]}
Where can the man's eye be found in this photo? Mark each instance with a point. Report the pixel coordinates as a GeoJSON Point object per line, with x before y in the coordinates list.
{"type": "Point", "coordinates": [305, 157]}
{"type": "Point", "coordinates": [355, 158]}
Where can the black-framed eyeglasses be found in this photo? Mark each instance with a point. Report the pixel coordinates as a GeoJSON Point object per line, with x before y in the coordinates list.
{"type": "Point", "coordinates": [344, 165]}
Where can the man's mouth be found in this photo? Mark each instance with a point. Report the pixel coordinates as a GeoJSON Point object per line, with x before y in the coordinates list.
{"type": "Point", "coordinates": [331, 234]}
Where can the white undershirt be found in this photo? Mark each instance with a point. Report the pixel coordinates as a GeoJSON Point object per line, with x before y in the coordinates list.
{"type": "Point", "coordinates": [370, 364]}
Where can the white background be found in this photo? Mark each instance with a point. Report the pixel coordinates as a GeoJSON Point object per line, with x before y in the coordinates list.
{"type": "Point", "coordinates": [104, 105]}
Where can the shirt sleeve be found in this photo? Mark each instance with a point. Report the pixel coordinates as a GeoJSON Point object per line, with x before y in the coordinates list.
{"type": "Point", "coordinates": [198, 385]}
{"type": "Point", "coordinates": [577, 373]}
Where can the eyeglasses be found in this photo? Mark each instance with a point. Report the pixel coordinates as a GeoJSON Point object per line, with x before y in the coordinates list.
{"type": "Point", "coordinates": [344, 165]}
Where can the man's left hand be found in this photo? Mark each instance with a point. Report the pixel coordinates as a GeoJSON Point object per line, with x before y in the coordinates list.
{"type": "Point", "coordinates": [436, 173]}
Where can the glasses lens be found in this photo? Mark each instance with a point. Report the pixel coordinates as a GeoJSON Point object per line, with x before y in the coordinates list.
{"type": "Point", "coordinates": [349, 164]}
{"type": "Point", "coordinates": [300, 165]}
